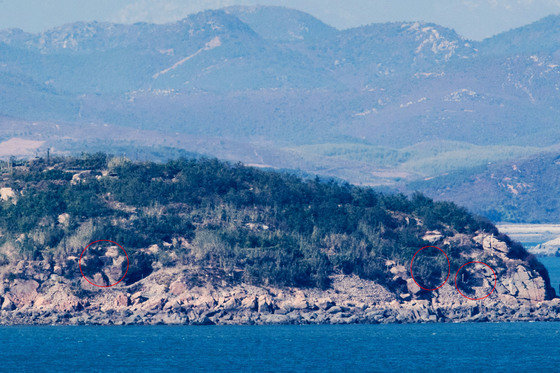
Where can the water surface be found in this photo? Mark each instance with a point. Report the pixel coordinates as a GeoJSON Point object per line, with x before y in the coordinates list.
{"type": "Point", "coordinates": [365, 348]}
{"type": "Point", "coordinates": [552, 264]}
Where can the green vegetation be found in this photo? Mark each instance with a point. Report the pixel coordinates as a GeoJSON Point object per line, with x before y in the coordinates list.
{"type": "Point", "coordinates": [445, 156]}
{"type": "Point", "coordinates": [256, 226]}
{"type": "Point", "coordinates": [425, 159]}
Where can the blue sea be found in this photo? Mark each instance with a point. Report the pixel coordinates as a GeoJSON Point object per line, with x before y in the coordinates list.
{"type": "Point", "coordinates": [331, 348]}
{"type": "Point", "coordinates": [552, 263]}
{"type": "Point", "coordinates": [501, 347]}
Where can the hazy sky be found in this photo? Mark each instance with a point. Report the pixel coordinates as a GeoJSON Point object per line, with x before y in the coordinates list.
{"type": "Point", "coordinates": [472, 18]}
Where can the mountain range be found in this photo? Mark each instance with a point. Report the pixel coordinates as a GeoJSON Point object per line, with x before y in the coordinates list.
{"type": "Point", "coordinates": [380, 104]}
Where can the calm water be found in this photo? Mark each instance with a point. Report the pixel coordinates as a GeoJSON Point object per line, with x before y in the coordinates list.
{"type": "Point", "coordinates": [364, 348]}
{"type": "Point", "coordinates": [552, 263]}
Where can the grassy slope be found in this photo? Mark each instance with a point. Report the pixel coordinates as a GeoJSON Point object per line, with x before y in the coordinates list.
{"type": "Point", "coordinates": [426, 159]}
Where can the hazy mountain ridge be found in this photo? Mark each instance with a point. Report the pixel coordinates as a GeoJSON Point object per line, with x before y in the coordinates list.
{"type": "Point", "coordinates": [275, 78]}
{"type": "Point", "coordinates": [282, 24]}
{"type": "Point", "coordinates": [538, 37]}
{"type": "Point", "coordinates": [524, 190]}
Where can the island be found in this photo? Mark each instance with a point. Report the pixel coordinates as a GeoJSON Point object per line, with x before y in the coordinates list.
{"type": "Point", "coordinates": [200, 241]}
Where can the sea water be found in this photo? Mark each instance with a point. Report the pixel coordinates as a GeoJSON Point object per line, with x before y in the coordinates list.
{"type": "Point", "coordinates": [333, 348]}
{"type": "Point", "coordinates": [369, 348]}
{"type": "Point", "coordinates": [552, 264]}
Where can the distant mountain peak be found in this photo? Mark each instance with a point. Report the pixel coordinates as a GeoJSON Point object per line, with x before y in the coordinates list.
{"type": "Point", "coordinates": [281, 24]}
{"type": "Point", "coordinates": [100, 36]}
{"type": "Point", "coordinates": [436, 39]}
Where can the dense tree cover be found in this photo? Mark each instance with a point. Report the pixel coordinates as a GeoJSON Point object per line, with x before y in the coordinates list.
{"type": "Point", "coordinates": [257, 226]}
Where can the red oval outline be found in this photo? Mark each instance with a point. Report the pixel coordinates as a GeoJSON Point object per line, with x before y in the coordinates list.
{"type": "Point", "coordinates": [491, 291]}
{"type": "Point", "coordinates": [106, 286]}
{"type": "Point", "coordinates": [448, 270]}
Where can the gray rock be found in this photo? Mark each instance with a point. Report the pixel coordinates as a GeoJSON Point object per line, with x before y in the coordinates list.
{"type": "Point", "coordinates": [275, 319]}
{"type": "Point", "coordinates": [336, 309]}
{"type": "Point", "coordinates": [205, 320]}
{"type": "Point", "coordinates": [412, 287]}
{"type": "Point", "coordinates": [8, 305]}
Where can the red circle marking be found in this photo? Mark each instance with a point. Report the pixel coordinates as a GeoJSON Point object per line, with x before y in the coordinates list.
{"type": "Point", "coordinates": [487, 295]}
{"type": "Point", "coordinates": [448, 269]}
{"type": "Point", "coordinates": [101, 286]}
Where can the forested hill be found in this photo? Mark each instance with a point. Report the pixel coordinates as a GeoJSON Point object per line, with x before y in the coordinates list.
{"type": "Point", "coordinates": [254, 226]}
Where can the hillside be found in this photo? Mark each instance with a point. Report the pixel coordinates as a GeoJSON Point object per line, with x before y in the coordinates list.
{"type": "Point", "coordinates": [540, 37]}
{"type": "Point", "coordinates": [211, 242]}
{"type": "Point", "coordinates": [282, 24]}
{"type": "Point", "coordinates": [515, 191]}
{"type": "Point", "coordinates": [276, 87]}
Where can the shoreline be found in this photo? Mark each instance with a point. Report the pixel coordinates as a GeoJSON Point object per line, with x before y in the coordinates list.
{"type": "Point", "coordinates": [191, 295]}
{"type": "Point", "coordinates": [548, 311]}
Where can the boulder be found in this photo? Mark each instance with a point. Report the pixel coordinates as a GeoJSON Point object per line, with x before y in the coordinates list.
{"type": "Point", "coordinates": [64, 219]}
{"type": "Point", "coordinates": [250, 302]}
{"type": "Point", "coordinates": [57, 270]}
{"type": "Point", "coordinates": [491, 243]}
{"type": "Point", "coordinates": [229, 304]}
{"type": "Point", "coordinates": [337, 309]}
{"type": "Point", "coordinates": [275, 319]}
{"type": "Point", "coordinates": [265, 304]}
{"type": "Point", "coordinates": [177, 288]}
{"type": "Point", "coordinates": [398, 270]}
{"type": "Point", "coordinates": [412, 287]}
{"type": "Point", "coordinates": [326, 303]}
{"type": "Point", "coordinates": [203, 320]}
{"type": "Point", "coordinates": [113, 252]}
{"type": "Point", "coordinates": [99, 280]}
{"type": "Point", "coordinates": [432, 236]}
{"type": "Point", "coordinates": [154, 304]}
{"type": "Point", "coordinates": [122, 300]}
{"type": "Point", "coordinates": [405, 296]}
{"type": "Point", "coordinates": [8, 305]}
{"type": "Point", "coordinates": [138, 298]}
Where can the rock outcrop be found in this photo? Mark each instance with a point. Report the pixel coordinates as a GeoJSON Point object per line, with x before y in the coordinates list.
{"type": "Point", "coordinates": [35, 293]}
{"type": "Point", "coordinates": [548, 248]}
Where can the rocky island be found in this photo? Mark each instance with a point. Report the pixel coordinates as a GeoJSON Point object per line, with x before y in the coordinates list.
{"type": "Point", "coordinates": [208, 242]}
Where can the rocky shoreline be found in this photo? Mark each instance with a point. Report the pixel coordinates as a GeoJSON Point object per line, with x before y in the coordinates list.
{"type": "Point", "coordinates": [263, 310]}
{"type": "Point", "coordinates": [46, 293]}
{"type": "Point", "coordinates": [350, 300]}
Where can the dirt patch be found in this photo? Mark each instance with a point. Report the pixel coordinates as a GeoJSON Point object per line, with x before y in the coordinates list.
{"type": "Point", "coordinates": [18, 147]}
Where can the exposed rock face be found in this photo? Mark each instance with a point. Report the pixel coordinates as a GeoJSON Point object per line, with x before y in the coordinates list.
{"type": "Point", "coordinates": [185, 295]}
{"type": "Point", "coordinates": [491, 243]}
{"type": "Point", "coordinates": [23, 292]}
{"type": "Point", "coordinates": [8, 305]}
{"type": "Point", "coordinates": [524, 285]}
{"type": "Point", "coordinates": [6, 194]}
{"type": "Point", "coordinates": [550, 248]}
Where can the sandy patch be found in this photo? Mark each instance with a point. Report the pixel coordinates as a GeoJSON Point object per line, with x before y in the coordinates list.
{"type": "Point", "coordinates": [19, 147]}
